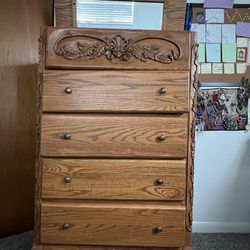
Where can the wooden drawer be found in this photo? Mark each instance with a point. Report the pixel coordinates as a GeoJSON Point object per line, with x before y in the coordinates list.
{"type": "Point", "coordinates": [112, 224]}
{"type": "Point", "coordinates": [114, 179]}
{"type": "Point", "coordinates": [117, 49]}
{"type": "Point", "coordinates": [118, 91]}
{"type": "Point", "coordinates": [114, 136]}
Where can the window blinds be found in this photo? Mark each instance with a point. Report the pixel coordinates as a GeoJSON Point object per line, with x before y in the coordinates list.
{"type": "Point", "coordinates": [105, 12]}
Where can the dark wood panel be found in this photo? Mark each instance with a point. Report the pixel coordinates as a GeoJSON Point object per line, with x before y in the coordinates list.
{"type": "Point", "coordinates": [81, 247]}
{"type": "Point", "coordinates": [117, 49]}
{"type": "Point", "coordinates": [114, 179]}
{"type": "Point", "coordinates": [20, 21]}
{"type": "Point", "coordinates": [114, 136]}
{"type": "Point", "coordinates": [117, 91]}
{"type": "Point", "coordinates": [108, 224]}
{"type": "Point", "coordinates": [64, 13]}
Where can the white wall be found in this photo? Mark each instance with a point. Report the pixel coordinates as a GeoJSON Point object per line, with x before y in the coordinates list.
{"type": "Point", "coordinates": [222, 182]}
{"type": "Point", "coordinates": [222, 178]}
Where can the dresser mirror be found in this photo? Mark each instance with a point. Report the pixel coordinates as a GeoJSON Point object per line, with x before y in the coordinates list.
{"type": "Point", "coordinates": [120, 14]}
{"type": "Point", "coordinates": [109, 14]}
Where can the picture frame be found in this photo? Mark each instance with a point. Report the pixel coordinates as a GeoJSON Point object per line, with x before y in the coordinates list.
{"type": "Point", "coordinates": [241, 55]}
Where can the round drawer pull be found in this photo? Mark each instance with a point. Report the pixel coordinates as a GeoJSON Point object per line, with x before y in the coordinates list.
{"type": "Point", "coordinates": [68, 90]}
{"type": "Point", "coordinates": [162, 138]}
{"type": "Point", "coordinates": [66, 226]}
{"type": "Point", "coordinates": [159, 182]}
{"type": "Point", "coordinates": [67, 179]}
{"type": "Point", "coordinates": [163, 90]}
{"type": "Point", "coordinates": [67, 136]}
{"type": "Point", "coordinates": [157, 230]}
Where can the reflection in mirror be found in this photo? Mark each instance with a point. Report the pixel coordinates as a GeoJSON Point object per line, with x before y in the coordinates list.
{"type": "Point", "coordinates": [119, 14]}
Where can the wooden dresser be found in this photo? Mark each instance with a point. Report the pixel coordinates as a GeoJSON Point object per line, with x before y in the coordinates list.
{"type": "Point", "coordinates": [115, 139]}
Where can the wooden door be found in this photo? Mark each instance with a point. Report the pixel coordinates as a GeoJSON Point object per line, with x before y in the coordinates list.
{"type": "Point", "coordinates": [20, 21]}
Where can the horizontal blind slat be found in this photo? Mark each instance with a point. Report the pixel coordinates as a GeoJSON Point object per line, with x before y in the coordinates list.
{"type": "Point", "coordinates": [109, 12]}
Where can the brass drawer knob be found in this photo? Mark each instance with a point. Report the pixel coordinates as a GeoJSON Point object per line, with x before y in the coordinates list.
{"type": "Point", "coordinates": [67, 179]}
{"type": "Point", "coordinates": [67, 136]}
{"type": "Point", "coordinates": [159, 182]}
{"type": "Point", "coordinates": [163, 90]}
{"type": "Point", "coordinates": [157, 230]}
{"type": "Point", "coordinates": [68, 90]}
{"type": "Point", "coordinates": [162, 138]}
{"type": "Point", "coordinates": [66, 226]}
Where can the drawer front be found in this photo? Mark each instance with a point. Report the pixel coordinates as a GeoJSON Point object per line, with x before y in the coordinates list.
{"type": "Point", "coordinates": [118, 91]}
{"type": "Point", "coordinates": [124, 225]}
{"type": "Point", "coordinates": [114, 136]}
{"type": "Point", "coordinates": [117, 49]}
{"type": "Point", "coordinates": [114, 179]}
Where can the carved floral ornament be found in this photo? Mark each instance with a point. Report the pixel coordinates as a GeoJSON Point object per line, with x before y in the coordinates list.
{"type": "Point", "coordinates": [117, 48]}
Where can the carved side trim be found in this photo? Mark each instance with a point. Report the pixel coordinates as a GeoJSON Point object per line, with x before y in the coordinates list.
{"type": "Point", "coordinates": [38, 172]}
{"type": "Point", "coordinates": [117, 47]}
{"type": "Point", "coordinates": [195, 86]}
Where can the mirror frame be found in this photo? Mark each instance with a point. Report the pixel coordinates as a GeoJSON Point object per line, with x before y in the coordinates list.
{"type": "Point", "coordinates": [173, 18]}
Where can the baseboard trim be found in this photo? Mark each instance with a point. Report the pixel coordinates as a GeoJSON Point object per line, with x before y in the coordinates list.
{"type": "Point", "coordinates": [81, 247]}
{"type": "Point", "coordinates": [221, 227]}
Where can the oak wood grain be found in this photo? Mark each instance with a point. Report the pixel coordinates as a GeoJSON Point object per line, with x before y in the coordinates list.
{"type": "Point", "coordinates": [109, 225]}
{"type": "Point", "coordinates": [117, 49]}
{"type": "Point", "coordinates": [114, 179]}
{"type": "Point", "coordinates": [114, 136]}
{"type": "Point", "coordinates": [116, 91]}
{"type": "Point", "coordinates": [191, 144]}
{"type": "Point", "coordinates": [175, 14]}
{"type": "Point", "coordinates": [113, 139]}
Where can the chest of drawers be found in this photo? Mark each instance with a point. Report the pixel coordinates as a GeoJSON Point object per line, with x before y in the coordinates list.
{"type": "Point", "coordinates": [115, 139]}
